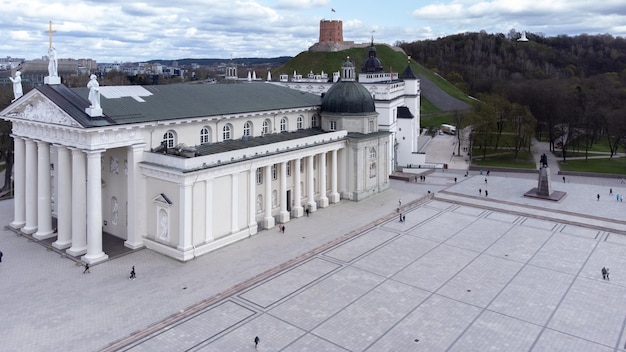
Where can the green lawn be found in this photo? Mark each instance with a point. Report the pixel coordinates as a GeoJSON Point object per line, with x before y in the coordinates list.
{"type": "Point", "coordinates": [435, 120]}
{"type": "Point", "coordinates": [524, 160]}
{"type": "Point", "coordinates": [603, 166]}
{"type": "Point", "coordinates": [426, 107]}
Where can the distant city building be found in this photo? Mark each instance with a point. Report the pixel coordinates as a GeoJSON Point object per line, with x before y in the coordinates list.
{"type": "Point", "coordinates": [10, 63]}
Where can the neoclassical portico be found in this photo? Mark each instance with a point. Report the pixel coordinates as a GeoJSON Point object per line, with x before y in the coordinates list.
{"type": "Point", "coordinates": [182, 181]}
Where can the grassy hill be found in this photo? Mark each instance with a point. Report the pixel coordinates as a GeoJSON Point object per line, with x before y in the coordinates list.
{"type": "Point", "coordinates": [392, 60]}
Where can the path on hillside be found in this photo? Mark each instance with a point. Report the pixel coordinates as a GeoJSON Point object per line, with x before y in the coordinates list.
{"type": "Point", "coordinates": [438, 97]}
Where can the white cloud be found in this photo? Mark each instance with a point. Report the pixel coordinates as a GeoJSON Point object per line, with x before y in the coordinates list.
{"type": "Point", "coordinates": [301, 4]}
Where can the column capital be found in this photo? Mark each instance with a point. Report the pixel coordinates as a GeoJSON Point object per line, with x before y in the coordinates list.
{"type": "Point", "coordinates": [93, 153]}
{"type": "Point", "coordinates": [140, 146]}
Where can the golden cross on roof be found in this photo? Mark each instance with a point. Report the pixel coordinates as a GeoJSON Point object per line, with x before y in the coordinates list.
{"type": "Point", "coordinates": [50, 31]}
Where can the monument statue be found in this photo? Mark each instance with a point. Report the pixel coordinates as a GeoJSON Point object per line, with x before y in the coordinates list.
{"type": "Point", "coordinates": [544, 160]}
{"type": "Point", "coordinates": [544, 186]}
{"type": "Point", "coordinates": [52, 62]}
{"type": "Point", "coordinates": [17, 85]}
{"type": "Point", "coordinates": [94, 92]}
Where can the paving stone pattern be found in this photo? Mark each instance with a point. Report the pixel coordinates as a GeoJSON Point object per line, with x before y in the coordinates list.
{"type": "Point", "coordinates": [453, 277]}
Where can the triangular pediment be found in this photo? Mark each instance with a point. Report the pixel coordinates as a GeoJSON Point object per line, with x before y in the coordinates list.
{"type": "Point", "coordinates": [162, 199]}
{"type": "Point", "coordinates": [36, 107]}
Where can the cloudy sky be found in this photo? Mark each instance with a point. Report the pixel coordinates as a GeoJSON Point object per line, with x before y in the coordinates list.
{"type": "Point", "coordinates": [117, 30]}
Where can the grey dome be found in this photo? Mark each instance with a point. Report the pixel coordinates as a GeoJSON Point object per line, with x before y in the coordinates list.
{"type": "Point", "coordinates": [372, 63]}
{"type": "Point", "coordinates": [348, 97]}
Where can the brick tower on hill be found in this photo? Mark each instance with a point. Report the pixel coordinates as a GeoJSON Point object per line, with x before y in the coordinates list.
{"type": "Point", "coordinates": [331, 37]}
{"type": "Point", "coordinates": [331, 31]}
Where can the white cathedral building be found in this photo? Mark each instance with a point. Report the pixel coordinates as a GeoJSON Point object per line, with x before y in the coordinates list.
{"type": "Point", "coordinates": [397, 101]}
{"type": "Point", "coordinates": [185, 169]}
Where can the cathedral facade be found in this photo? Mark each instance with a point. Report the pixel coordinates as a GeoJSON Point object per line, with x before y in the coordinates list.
{"type": "Point", "coordinates": [185, 169]}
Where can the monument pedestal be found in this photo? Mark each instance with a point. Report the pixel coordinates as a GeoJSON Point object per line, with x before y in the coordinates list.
{"type": "Point", "coordinates": [93, 112]}
{"type": "Point", "coordinates": [544, 188]}
{"type": "Point", "coordinates": [52, 80]}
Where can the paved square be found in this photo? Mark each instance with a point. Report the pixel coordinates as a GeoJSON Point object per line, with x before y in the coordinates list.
{"type": "Point", "coordinates": [455, 276]}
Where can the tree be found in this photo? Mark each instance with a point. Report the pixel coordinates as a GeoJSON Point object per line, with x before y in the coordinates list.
{"type": "Point", "coordinates": [483, 123]}
{"type": "Point", "coordinates": [523, 127]}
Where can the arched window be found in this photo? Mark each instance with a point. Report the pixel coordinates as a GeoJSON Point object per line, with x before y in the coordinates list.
{"type": "Point", "coordinates": [373, 153]}
{"type": "Point", "coordinates": [300, 122]}
{"type": "Point", "coordinates": [266, 126]}
{"type": "Point", "coordinates": [314, 121]}
{"type": "Point", "coordinates": [205, 135]}
{"type": "Point", "coordinates": [226, 132]}
{"type": "Point", "coordinates": [247, 129]}
{"type": "Point", "coordinates": [283, 124]}
{"type": "Point", "coordinates": [169, 138]}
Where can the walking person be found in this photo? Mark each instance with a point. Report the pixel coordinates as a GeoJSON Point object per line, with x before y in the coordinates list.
{"type": "Point", "coordinates": [87, 269]}
{"type": "Point", "coordinates": [132, 274]}
{"type": "Point", "coordinates": [256, 343]}
{"type": "Point", "coordinates": [598, 196]}
{"type": "Point", "coordinates": [603, 273]}
{"type": "Point", "coordinates": [307, 212]}
{"type": "Point", "coordinates": [486, 193]}
{"type": "Point", "coordinates": [0, 256]}
{"type": "Point", "coordinates": [480, 191]}
{"type": "Point", "coordinates": [400, 217]}
{"type": "Point", "coordinates": [563, 179]}
{"type": "Point", "coordinates": [610, 191]}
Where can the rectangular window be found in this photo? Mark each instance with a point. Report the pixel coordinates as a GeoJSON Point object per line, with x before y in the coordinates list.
{"type": "Point", "coordinates": [332, 125]}
{"type": "Point", "coordinates": [259, 176]}
{"type": "Point", "coordinates": [288, 168]}
{"type": "Point", "coordinates": [274, 173]}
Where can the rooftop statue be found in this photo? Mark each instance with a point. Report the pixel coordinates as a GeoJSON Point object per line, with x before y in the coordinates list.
{"type": "Point", "coordinates": [52, 62]}
{"type": "Point", "coordinates": [17, 85]}
{"type": "Point", "coordinates": [94, 92]}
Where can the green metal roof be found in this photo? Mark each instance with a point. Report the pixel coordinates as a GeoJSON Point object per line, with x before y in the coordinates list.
{"type": "Point", "coordinates": [181, 101]}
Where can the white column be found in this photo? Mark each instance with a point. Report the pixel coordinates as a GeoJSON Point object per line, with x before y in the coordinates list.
{"type": "Point", "coordinates": [31, 188]}
{"type": "Point", "coordinates": [268, 220]}
{"type": "Point", "coordinates": [94, 208]}
{"type": "Point", "coordinates": [283, 217]}
{"type": "Point", "coordinates": [64, 198]}
{"type": "Point", "coordinates": [297, 210]}
{"type": "Point", "coordinates": [185, 220]}
{"type": "Point", "coordinates": [323, 201]}
{"type": "Point", "coordinates": [44, 206]}
{"type": "Point", "coordinates": [136, 209]}
{"type": "Point", "coordinates": [234, 208]}
{"type": "Point", "coordinates": [252, 225]}
{"type": "Point", "coordinates": [79, 204]}
{"type": "Point", "coordinates": [334, 195]}
{"type": "Point", "coordinates": [309, 184]}
{"type": "Point", "coordinates": [19, 171]}
{"type": "Point", "coordinates": [208, 211]}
